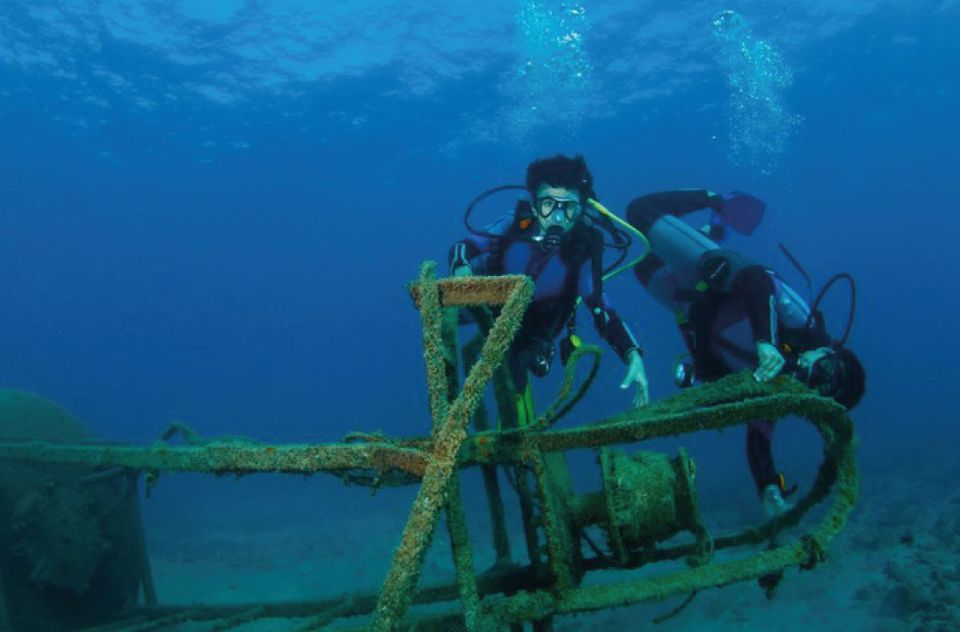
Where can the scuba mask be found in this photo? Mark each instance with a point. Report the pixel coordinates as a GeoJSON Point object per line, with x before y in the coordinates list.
{"type": "Point", "coordinates": [555, 217]}
{"type": "Point", "coordinates": [825, 375]}
{"type": "Point", "coordinates": [560, 210]}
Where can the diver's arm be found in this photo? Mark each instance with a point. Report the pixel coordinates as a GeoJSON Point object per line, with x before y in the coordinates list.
{"type": "Point", "coordinates": [605, 318]}
{"type": "Point", "coordinates": [460, 256]}
{"type": "Point", "coordinates": [612, 329]}
{"type": "Point", "coordinates": [646, 209]}
{"type": "Point", "coordinates": [470, 255]}
{"type": "Point", "coordinates": [755, 286]}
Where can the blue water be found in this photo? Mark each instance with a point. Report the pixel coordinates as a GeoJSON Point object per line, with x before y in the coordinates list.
{"type": "Point", "coordinates": [209, 210]}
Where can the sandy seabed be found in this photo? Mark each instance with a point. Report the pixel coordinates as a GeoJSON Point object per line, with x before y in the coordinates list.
{"type": "Point", "coordinates": [896, 566]}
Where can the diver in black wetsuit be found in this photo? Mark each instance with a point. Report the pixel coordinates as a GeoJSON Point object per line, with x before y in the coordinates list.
{"type": "Point", "coordinates": [554, 239]}
{"type": "Point", "coordinates": [736, 314]}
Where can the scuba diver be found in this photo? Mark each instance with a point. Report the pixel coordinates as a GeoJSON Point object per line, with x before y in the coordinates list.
{"type": "Point", "coordinates": [556, 238]}
{"type": "Point", "coordinates": [736, 314]}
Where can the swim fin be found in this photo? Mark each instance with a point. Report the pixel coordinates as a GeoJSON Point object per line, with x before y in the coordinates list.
{"type": "Point", "coordinates": [742, 212]}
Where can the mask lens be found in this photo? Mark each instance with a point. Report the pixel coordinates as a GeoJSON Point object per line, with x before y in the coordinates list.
{"type": "Point", "coordinates": [824, 374]}
{"type": "Point", "coordinates": [547, 205]}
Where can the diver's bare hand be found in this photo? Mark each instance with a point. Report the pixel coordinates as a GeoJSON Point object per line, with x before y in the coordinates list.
{"type": "Point", "coordinates": [637, 374]}
{"type": "Point", "coordinates": [769, 362]}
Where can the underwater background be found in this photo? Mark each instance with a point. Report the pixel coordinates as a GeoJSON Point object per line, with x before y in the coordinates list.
{"type": "Point", "coordinates": [209, 211]}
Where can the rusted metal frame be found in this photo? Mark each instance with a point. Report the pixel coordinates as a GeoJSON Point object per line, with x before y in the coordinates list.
{"type": "Point", "coordinates": [474, 290]}
{"type": "Point", "coordinates": [491, 477]}
{"type": "Point", "coordinates": [479, 449]}
{"type": "Point", "coordinates": [838, 471]}
{"type": "Point", "coordinates": [431, 314]}
{"type": "Point", "coordinates": [174, 621]}
{"type": "Point", "coordinates": [449, 334]}
{"type": "Point", "coordinates": [462, 556]}
{"type": "Point", "coordinates": [504, 397]}
{"type": "Point", "coordinates": [224, 457]}
{"type": "Point", "coordinates": [401, 580]}
{"type": "Point", "coordinates": [838, 440]}
{"type": "Point", "coordinates": [146, 572]}
{"type": "Point", "coordinates": [631, 427]}
{"type": "Point", "coordinates": [567, 397]}
{"type": "Point", "coordinates": [716, 574]}
{"type": "Point", "coordinates": [560, 554]}
{"type": "Point", "coordinates": [827, 417]}
{"type": "Point", "coordinates": [528, 514]}
{"type": "Point", "coordinates": [439, 351]}
{"type": "Point", "coordinates": [504, 392]}
{"type": "Point", "coordinates": [488, 583]}
{"type": "Point", "coordinates": [327, 617]}
{"type": "Point", "coordinates": [241, 618]}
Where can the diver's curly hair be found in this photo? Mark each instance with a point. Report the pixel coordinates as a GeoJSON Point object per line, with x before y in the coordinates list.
{"type": "Point", "coordinates": [561, 171]}
{"type": "Point", "coordinates": [854, 383]}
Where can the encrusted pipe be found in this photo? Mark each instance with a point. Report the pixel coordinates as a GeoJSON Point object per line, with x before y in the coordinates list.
{"type": "Point", "coordinates": [401, 580]}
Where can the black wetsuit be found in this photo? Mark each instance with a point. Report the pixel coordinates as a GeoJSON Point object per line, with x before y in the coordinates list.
{"type": "Point", "coordinates": [724, 303]}
{"type": "Point", "coordinates": [560, 277]}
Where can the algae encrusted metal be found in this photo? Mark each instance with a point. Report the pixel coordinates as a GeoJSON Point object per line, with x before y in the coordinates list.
{"type": "Point", "coordinates": [647, 508]}
{"type": "Point", "coordinates": [450, 433]}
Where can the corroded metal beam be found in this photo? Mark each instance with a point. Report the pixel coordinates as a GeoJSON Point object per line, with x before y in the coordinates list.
{"type": "Point", "coordinates": [224, 457]}
{"type": "Point", "coordinates": [401, 580]}
{"type": "Point", "coordinates": [473, 291]}
{"type": "Point", "coordinates": [771, 401]}
{"type": "Point", "coordinates": [775, 400]}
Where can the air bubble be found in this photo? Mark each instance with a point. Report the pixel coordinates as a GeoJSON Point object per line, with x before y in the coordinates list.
{"type": "Point", "coordinates": [551, 89]}
{"type": "Point", "coordinates": [759, 123]}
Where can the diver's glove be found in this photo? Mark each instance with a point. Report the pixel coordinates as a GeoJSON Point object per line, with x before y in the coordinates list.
{"type": "Point", "coordinates": [773, 502]}
{"type": "Point", "coordinates": [637, 374]}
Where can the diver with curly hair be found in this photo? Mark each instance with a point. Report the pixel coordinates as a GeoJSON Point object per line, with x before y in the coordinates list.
{"type": "Point", "coordinates": [556, 239]}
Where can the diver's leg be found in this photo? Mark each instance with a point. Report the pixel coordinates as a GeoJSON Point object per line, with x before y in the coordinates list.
{"type": "Point", "coordinates": [519, 474]}
{"type": "Point", "coordinates": [519, 362]}
{"type": "Point", "coordinates": [643, 211]}
{"type": "Point", "coordinates": [769, 483]}
{"type": "Point", "coordinates": [517, 368]}
{"type": "Point", "coordinates": [760, 454]}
